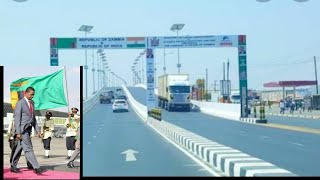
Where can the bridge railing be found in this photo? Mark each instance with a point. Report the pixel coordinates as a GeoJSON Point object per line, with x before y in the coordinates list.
{"type": "Point", "coordinates": [88, 103]}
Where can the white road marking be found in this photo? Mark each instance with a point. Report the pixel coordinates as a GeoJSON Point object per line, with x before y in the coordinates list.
{"type": "Point", "coordinates": [224, 156]}
{"type": "Point", "coordinates": [250, 173]}
{"type": "Point", "coordinates": [130, 155]}
{"type": "Point", "coordinates": [238, 166]}
{"type": "Point", "coordinates": [298, 144]}
{"type": "Point", "coordinates": [202, 169]}
{"type": "Point", "coordinates": [202, 164]}
{"type": "Point", "coordinates": [228, 161]}
{"type": "Point", "coordinates": [193, 165]}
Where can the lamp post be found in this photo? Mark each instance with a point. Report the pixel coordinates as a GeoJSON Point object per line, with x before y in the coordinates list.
{"type": "Point", "coordinates": [86, 29]}
{"type": "Point", "coordinates": [99, 66]}
{"type": "Point", "coordinates": [177, 27]}
{"type": "Point", "coordinates": [103, 58]}
{"type": "Point", "coordinates": [164, 60]}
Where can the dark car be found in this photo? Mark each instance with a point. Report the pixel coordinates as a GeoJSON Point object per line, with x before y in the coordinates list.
{"type": "Point", "coordinates": [111, 94]}
{"type": "Point", "coordinates": [105, 98]}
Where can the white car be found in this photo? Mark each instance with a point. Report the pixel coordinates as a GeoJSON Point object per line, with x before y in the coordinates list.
{"type": "Point", "coordinates": [120, 105]}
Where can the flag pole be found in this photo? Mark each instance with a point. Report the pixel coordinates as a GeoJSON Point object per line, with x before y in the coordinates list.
{"type": "Point", "coordinates": [65, 78]}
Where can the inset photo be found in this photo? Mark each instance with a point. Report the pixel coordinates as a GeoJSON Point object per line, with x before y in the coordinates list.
{"type": "Point", "coordinates": [41, 122]}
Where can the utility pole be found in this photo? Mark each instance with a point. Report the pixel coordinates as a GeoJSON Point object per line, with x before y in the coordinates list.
{"type": "Point", "coordinates": [228, 65]}
{"type": "Point", "coordinates": [215, 86]}
{"type": "Point", "coordinates": [315, 67]}
{"type": "Point", "coordinates": [207, 84]}
{"type": "Point", "coordinates": [224, 73]}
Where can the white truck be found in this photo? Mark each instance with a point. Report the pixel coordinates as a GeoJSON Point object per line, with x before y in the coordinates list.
{"type": "Point", "coordinates": [174, 92]}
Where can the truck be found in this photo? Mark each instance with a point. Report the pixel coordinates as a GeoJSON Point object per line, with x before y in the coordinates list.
{"type": "Point", "coordinates": [174, 92]}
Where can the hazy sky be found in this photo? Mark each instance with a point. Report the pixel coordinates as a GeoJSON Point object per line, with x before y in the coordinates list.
{"type": "Point", "coordinates": [282, 36]}
{"type": "Point", "coordinates": [73, 81]}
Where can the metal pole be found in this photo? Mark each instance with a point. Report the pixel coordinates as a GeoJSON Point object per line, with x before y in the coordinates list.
{"type": "Point", "coordinates": [98, 71]}
{"type": "Point", "coordinates": [139, 64]}
{"type": "Point", "coordinates": [132, 78]}
{"type": "Point", "coordinates": [94, 88]}
{"type": "Point", "coordinates": [228, 65]}
{"type": "Point", "coordinates": [316, 73]}
{"type": "Point", "coordinates": [224, 73]}
{"type": "Point", "coordinates": [86, 67]}
{"type": "Point", "coordinates": [164, 61]}
{"type": "Point", "coordinates": [142, 70]}
{"type": "Point", "coordinates": [179, 65]}
{"type": "Point", "coordinates": [207, 84]}
{"type": "Point", "coordinates": [155, 74]}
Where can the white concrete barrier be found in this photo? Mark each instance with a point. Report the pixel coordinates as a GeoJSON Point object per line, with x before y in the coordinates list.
{"type": "Point", "coordinates": [216, 156]}
{"type": "Point", "coordinates": [87, 104]}
{"type": "Point", "coordinates": [228, 111]}
{"type": "Point", "coordinates": [141, 85]}
{"type": "Point", "coordinates": [140, 109]}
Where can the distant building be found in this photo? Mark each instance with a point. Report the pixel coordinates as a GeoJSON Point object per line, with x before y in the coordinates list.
{"type": "Point", "coordinates": [276, 95]}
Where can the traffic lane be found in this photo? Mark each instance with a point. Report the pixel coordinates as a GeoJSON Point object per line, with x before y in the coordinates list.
{"type": "Point", "coordinates": [294, 121]}
{"type": "Point", "coordinates": [107, 135]}
{"type": "Point", "coordinates": [294, 151]}
{"type": "Point", "coordinates": [139, 94]}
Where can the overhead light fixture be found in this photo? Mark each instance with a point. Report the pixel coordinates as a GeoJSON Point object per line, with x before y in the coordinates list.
{"type": "Point", "coordinates": [177, 27]}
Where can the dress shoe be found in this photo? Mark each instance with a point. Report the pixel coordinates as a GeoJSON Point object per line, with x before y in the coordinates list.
{"type": "Point", "coordinates": [46, 157]}
{"type": "Point", "coordinates": [15, 170]}
{"type": "Point", "coordinates": [39, 171]}
{"type": "Point", "coordinates": [68, 157]}
{"type": "Point", "coordinates": [70, 164]}
{"type": "Point", "coordinates": [30, 168]}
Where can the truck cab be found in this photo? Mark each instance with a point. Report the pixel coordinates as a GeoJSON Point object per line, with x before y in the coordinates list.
{"type": "Point", "coordinates": [174, 92]}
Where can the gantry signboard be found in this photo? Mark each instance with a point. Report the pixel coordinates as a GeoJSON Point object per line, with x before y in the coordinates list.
{"type": "Point", "coordinates": [152, 43]}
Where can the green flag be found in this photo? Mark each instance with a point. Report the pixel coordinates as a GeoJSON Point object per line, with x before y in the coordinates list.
{"type": "Point", "coordinates": [49, 90]}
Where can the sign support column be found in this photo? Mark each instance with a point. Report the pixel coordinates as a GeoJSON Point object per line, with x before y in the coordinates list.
{"type": "Point", "coordinates": [243, 82]}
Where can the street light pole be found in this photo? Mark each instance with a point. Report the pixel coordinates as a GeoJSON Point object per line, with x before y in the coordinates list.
{"type": "Point", "coordinates": [98, 64]}
{"type": "Point", "coordinates": [142, 69]}
{"type": "Point", "coordinates": [86, 29]}
{"type": "Point", "coordinates": [93, 69]}
{"type": "Point", "coordinates": [178, 65]}
{"type": "Point", "coordinates": [86, 67]}
{"type": "Point", "coordinates": [164, 61]}
{"type": "Point", "coordinates": [178, 27]}
{"type": "Point", "coordinates": [316, 73]}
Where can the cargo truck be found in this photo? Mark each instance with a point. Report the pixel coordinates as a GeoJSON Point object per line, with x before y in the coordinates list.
{"type": "Point", "coordinates": [174, 92]}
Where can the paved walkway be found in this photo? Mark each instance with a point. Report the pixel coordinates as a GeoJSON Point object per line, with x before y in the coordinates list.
{"type": "Point", "coordinates": [56, 164]}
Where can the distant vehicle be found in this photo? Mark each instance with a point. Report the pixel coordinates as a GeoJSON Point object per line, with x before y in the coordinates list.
{"type": "Point", "coordinates": [235, 98]}
{"type": "Point", "coordinates": [174, 92]}
{"type": "Point", "coordinates": [120, 105]}
{"type": "Point", "coordinates": [121, 97]}
{"type": "Point", "coordinates": [111, 94]}
{"type": "Point", "coordinates": [105, 98]}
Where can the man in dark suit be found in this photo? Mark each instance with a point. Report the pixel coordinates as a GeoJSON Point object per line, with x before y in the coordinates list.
{"type": "Point", "coordinates": [24, 120]}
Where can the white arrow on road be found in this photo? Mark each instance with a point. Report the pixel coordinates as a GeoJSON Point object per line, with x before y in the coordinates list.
{"type": "Point", "coordinates": [130, 155]}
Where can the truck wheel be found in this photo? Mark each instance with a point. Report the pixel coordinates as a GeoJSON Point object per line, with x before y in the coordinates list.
{"type": "Point", "coordinates": [188, 108]}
